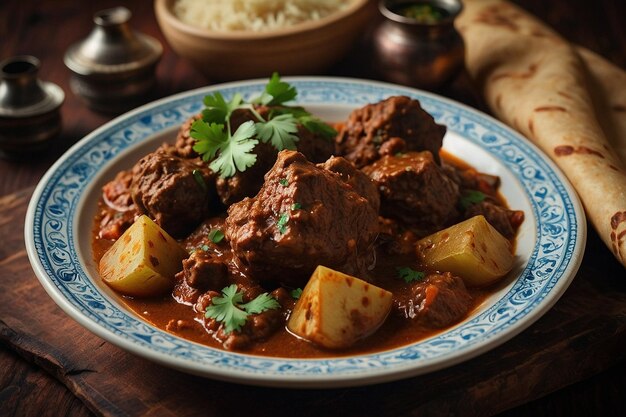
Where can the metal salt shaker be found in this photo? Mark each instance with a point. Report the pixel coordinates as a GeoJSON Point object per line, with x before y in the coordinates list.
{"type": "Point", "coordinates": [114, 66]}
{"type": "Point", "coordinates": [419, 54]}
{"type": "Point", "coordinates": [29, 108]}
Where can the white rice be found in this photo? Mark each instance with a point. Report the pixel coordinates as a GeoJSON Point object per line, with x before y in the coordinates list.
{"type": "Point", "coordinates": [253, 15]}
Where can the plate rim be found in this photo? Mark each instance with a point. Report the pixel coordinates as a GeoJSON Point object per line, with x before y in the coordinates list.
{"type": "Point", "coordinates": [324, 379]}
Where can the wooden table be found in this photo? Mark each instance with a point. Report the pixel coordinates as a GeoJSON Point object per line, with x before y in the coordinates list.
{"type": "Point", "coordinates": [572, 362]}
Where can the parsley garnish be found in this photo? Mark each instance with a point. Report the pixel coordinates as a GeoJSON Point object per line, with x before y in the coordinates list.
{"type": "Point", "coordinates": [279, 131]}
{"type": "Point", "coordinates": [235, 152]}
{"type": "Point", "coordinates": [216, 235]}
{"type": "Point", "coordinates": [230, 310]}
{"type": "Point", "coordinates": [204, 248]}
{"type": "Point", "coordinates": [276, 92]}
{"type": "Point", "coordinates": [471, 197]}
{"type": "Point", "coordinates": [410, 275]}
{"type": "Point", "coordinates": [295, 294]}
{"type": "Point", "coordinates": [282, 223]}
{"type": "Point", "coordinates": [231, 153]}
{"type": "Point", "coordinates": [197, 175]}
{"type": "Point", "coordinates": [296, 206]}
{"type": "Point", "coordinates": [283, 182]}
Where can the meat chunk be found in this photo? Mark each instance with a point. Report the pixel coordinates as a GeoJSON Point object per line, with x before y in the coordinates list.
{"type": "Point", "coordinates": [358, 180]}
{"type": "Point", "coordinates": [302, 217]}
{"type": "Point", "coordinates": [415, 190]}
{"type": "Point", "coordinates": [246, 184]}
{"type": "Point", "coordinates": [439, 300]}
{"type": "Point", "coordinates": [502, 219]}
{"type": "Point", "coordinates": [397, 124]}
{"type": "Point", "coordinates": [176, 192]}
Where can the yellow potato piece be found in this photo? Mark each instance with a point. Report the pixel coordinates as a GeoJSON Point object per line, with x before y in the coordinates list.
{"type": "Point", "coordinates": [335, 310]}
{"type": "Point", "coordinates": [472, 249]}
{"type": "Point", "coordinates": [143, 261]}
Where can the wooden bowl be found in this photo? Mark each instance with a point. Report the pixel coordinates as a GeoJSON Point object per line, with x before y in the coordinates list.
{"type": "Point", "coordinates": [306, 48]}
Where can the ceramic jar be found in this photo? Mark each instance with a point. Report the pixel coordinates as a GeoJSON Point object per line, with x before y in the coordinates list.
{"type": "Point", "coordinates": [415, 52]}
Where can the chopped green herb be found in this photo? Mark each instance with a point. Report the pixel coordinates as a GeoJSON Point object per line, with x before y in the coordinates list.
{"type": "Point", "coordinates": [296, 206]}
{"type": "Point", "coordinates": [216, 235]}
{"type": "Point", "coordinates": [283, 182]}
{"type": "Point", "coordinates": [470, 197]}
{"type": "Point", "coordinates": [230, 310]}
{"type": "Point", "coordinates": [197, 175]}
{"type": "Point", "coordinates": [423, 13]}
{"type": "Point", "coordinates": [410, 275]}
{"type": "Point", "coordinates": [295, 294]}
{"type": "Point", "coordinates": [282, 223]}
{"type": "Point", "coordinates": [204, 248]}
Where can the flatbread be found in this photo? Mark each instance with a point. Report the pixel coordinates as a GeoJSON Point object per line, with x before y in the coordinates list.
{"type": "Point", "coordinates": [607, 84]}
{"type": "Point", "coordinates": [537, 83]}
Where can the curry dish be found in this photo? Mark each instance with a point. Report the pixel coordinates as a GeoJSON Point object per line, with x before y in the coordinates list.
{"type": "Point", "coordinates": [311, 241]}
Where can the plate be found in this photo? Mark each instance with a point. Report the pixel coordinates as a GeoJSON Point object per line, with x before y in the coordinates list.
{"type": "Point", "coordinates": [548, 251]}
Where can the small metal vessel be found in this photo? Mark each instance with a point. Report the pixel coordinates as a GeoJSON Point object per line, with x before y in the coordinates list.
{"type": "Point", "coordinates": [114, 66]}
{"type": "Point", "coordinates": [29, 107]}
{"type": "Point", "coordinates": [415, 52]}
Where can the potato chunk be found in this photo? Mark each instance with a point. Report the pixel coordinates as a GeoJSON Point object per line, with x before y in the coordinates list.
{"type": "Point", "coordinates": [335, 310]}
{"type": "Point", "coordinates": [472, 249]}
{"type": "Point", "coordinates": [143, 261]}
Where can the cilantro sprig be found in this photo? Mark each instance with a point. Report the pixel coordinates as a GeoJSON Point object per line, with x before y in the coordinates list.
{"type": "Point", "coordinates": [229, 153]}
{"type": "Point", "coordinates": [230, 310]}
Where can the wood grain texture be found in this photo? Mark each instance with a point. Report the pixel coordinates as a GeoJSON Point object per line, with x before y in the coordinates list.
{"type": "Point", "coordinates": [32, 386]}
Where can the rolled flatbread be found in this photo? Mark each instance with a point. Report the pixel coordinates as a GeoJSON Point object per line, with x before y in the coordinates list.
{"type": "Point", "coordinates": [537, 83]}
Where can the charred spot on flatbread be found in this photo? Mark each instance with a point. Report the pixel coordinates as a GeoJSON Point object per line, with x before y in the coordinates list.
{"type": "Point", "coordinates": [617, 238]}
{"type": "Point", "coordinates": [550, 108]}
{"type": "Point", "coordinates": [566, 150]}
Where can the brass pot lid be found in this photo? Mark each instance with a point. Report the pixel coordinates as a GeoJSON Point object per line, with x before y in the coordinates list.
{"type": "Point", "coordinates": [22, 93]}
{"type": "Point", "coordinates": [112, 48]}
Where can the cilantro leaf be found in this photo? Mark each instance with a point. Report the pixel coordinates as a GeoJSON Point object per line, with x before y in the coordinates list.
{"type": "Point", "coordinates": [225, 309]}
{"type": "Point", "coordinates": [410, 275]}
{"type": "Point", "coordinates": [295, 294]}
{"type": "Point", "coordinates": [276, 92]}
{"type": "Point", "coordinates": [230, 310]}
{"type": "Point", "coordinates": [280, 131]}
{"type": "Point", "coordinates": [218, 110]}
{"type": "Point", "coordinates": [471, 197]}
{"type": "Point", "coordinates": [261, 303]}
{"type": "Point", "coordinates": [311, 123]}
{"type": "Point", "coordinates": [209, 138]}
{"type": "Point", "coordinates": [236, 154]}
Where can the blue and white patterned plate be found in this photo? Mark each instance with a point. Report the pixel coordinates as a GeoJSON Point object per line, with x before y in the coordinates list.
{"type": "Point", "coordinates": [548, 253]}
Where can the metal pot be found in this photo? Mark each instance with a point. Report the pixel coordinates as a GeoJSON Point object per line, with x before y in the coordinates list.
{"type": "Point", "coordinates": [418, 53]}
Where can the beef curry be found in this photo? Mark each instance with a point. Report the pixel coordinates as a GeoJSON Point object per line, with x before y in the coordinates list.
{"type": "Point", "coordinates": [363, 202]}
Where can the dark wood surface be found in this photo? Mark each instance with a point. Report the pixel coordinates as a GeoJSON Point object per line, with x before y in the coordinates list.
{"type": "Point", "coordinates": [570, 363]}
